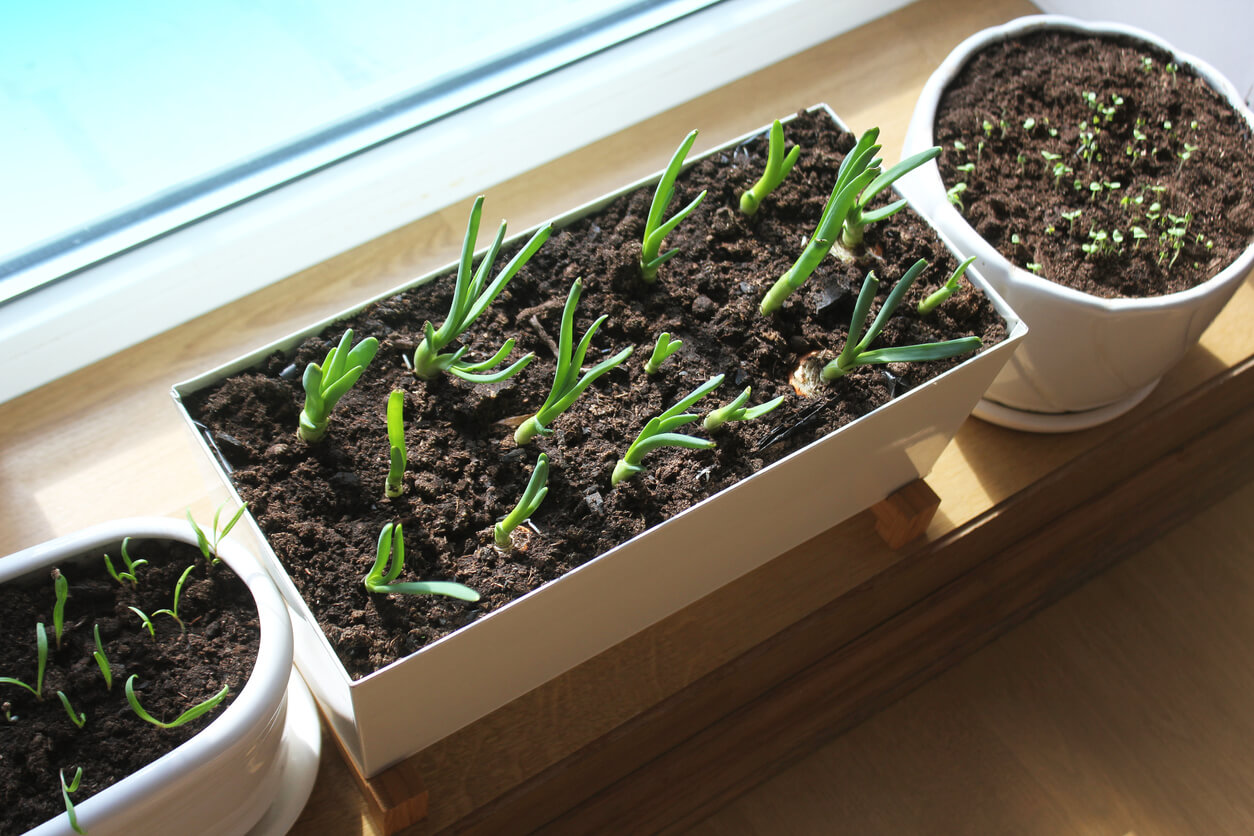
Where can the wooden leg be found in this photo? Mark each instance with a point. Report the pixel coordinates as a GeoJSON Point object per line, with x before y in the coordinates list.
{"type": "Point", "coordinates": [905, 514]}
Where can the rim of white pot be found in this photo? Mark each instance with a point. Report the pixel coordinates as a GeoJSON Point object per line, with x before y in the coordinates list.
{"type": "Point", "coordinates": [924, 119]}
{"type": "Point", "coordinates": [252, 709]}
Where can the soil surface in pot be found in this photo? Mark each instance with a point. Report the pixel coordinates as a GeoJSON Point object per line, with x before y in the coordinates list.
{"type": "Point", "coordinates": [322, 506]}
{"type": "Point", "coordinates": [1099, 161]}
{"type": "Point", "coordinates": [175, 671]}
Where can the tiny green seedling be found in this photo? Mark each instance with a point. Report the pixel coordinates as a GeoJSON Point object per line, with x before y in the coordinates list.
{"type": "Point", "coordinates": [41, 649]}
{"type": "Point", "coordinates": [326, 384]}
{"type": "Point", "coordinates": [398, 456]}
{"type": "Point", "coordinates": [532, 496]}
{"type": "Point", "coordinates": [655, 230]}
{"type": "Point", "coordinates": [662, 351]}
{"type": "Point", "coordinates": [131, 565]}
{"type": "Point", "coordinates": [949, 288]}
{"type": "Point", "coordinates": [856, 353]}
{"type": "Point", "coordinates": [173, 611]}
{"type": "Point", "coordinates": [777, 167]}
{"type": "Point", "coordinates": [61, 588]}
{"type": "Point", "coordinates": [736, 411]}
{"type": "Point", "coordinates": [379, 579]}
{"type": "Point", "coordinates": [77, 718]}
{"type": "Point", "coordinates": [102, 661]}
{"type": "Point", "coordinates": [184, 718]}
{"type": "Point", "coordinates": [659, 432]}
{"type": "Point", "coordinates": [471, 296]}
{"type": "Point", "coordinates": [66, 789]}
{"type": "Point", "coordinates": [567, 384]}
{"type": "Point", "coordinates": [6, 708]}
{"type": "Point", "coordinates": [145, 622]}
{"type": "Point", "coordinates": [209, 549]}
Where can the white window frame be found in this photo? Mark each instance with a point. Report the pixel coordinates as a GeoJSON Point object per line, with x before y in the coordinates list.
{"type": "Point", "coordinates": [130, 297]}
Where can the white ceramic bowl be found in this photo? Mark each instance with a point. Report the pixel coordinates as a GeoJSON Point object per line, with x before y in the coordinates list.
{"type": "Point", "coordinates": [227, 777]}
{"type": "Point", "coordinates": [1087, 359]}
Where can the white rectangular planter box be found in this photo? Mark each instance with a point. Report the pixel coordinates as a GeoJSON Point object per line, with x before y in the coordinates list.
{"type": "Point", "coordinates": [409, 705]}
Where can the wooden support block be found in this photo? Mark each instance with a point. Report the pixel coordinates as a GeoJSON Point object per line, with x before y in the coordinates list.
{"type": "Point", "coordinates": [905, 514]}
{"type": "Point", "coordinates": [395, 798]}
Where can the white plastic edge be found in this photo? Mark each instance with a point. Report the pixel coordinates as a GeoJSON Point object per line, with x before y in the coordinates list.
{"type": "Point", "coordinates": [121, 302]}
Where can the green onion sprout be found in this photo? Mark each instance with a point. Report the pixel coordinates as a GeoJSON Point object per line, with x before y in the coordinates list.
{"type": "Point", "coordinates": [777, 168]}
{"type": "Point", "coordinates": [145, 621]}
{"type": "Point", "coordinates": [76, 718]}
{"type": "Point", "coordinates": [102, 661]}
{"type": "Point", "coordinates": [131, 565]}
{"type": "Point", "coordinates": [470, 299]}
{"type": "Point", "coordinates": [736, 411]}
{"type": "Point", "coordinates": [326, 384]}
{"type": "Point", "coordinates": [655, 230]}
{"type": "Point", "coordinates": [41, 649]}
{"type": "Point", "coordinates": [210, 548]}
{"type": "Point", "coordinates": [949, 288]}
{"type": "Point", "coordinates": [567, 384]}
{"type": "Point", "coordinates": [662, 351]}
{"type": "Point", "coordinates": [394, 487]}
{"type": "Point", "coordinates": [184, 718]}
{"type": "Point", "coordinates": [532, 496]}
{"type": "Point", "coordinates": [61, 588]}
{"type": "Point", "coordinates": [856, 353]}
{"type": "Point", "coordinates": [380, 577]}
{"type": "Point", "coordinates": [173, 612]}
{"type": "Point", "coordinates": [66, 789]}
{"type": "Point", "coordinates": [659, 432]}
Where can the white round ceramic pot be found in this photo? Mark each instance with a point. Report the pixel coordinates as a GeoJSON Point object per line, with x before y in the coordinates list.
{"type": "Point", "coordinates": [1086, 359]}
{"type": "Point", "coordinates": [233, 775]}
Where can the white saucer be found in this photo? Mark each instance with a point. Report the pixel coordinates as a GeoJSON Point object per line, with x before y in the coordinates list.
{"type": "Point", "coordinates": [1057, 422]}
{"type": "Point", "coordinates": [301, 750]}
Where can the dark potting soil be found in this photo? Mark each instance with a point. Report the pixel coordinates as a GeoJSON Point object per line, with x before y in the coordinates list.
{"type": "Point", "coordinates": [1019, 200]}
{"type": "Point", "coordinates": [322, 505]}
{"type": "Point", "coordinates": [176, 671]}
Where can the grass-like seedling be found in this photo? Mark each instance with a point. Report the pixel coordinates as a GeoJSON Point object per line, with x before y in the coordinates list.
{"type": "Point", "coordinates": [856, 353]}
{"type": "Point", "coordinates": [949, 288]}
{"type": "Point", "coordinates": [857, 218]}
{"type": "Point", "coordinates": [471, 297]}
{"type": "Point", "coordinates": [379, 579]}
{"type": "Point", "coordinates": [325, 384]}
{"type": "Point", "coordinates": [77, 718]}
{"type": "Point", "coordinates": [736, 410]}
{"type": "Point", "coordinates": [145, 622]}
{"type": "Point", "coordinates": [398, 457]}
{"type": "Point", "coordinates": [209, 548]}
{"type": "Point", "coordinates": [532, 496]}
{"type": "Point", "coordinates": [66, 789]}
{"type": "Point", "coordinates": [567, 384]}
{"type": "Point", "coordinates": [41, 649]}
{"type": "Point", "coordinates": [186, 717]}
{"type": "Point", "coordinates": [102, 661]}
{"type": "Point", "coordinates": [662, 351]}
{"type": "Point", "coordinates": [660, 432]}
{"type": "Point", "coordinates": [173, 610]}
{"type": "Point", "coordinates": [777, 167]}
{"type": "Point", "coordinates": [655, 230]}
{"type": "Point", "coordinates": [127, 576]}
{"type": "Point", "coordinates": [61, 589]}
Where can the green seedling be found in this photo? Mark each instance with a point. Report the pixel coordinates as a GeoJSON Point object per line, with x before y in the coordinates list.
{"type": "Point", "coordinates": [7, 708]}
{"type": "Point", "coordinates": [326, 384]}
{"type": "Point", "coordinates": [954, 195]}
{"type": "Point", "coordinates": [145, 622]}
{"type": "Point", "coordinates": [61, 588]}
{"type": "Point", "coordinates": [184, 718]}
{"type": "Point", "coordinates": [857, 218]}
{"type": "Point", "coordinates": [102, 661]}
{"type": "Point", "coordinates": [66, 789]}
{"type": "Point", "coordinates": [379, 579]}
{"type": "Point", "coordinates": [949, 288]}
{"type": "Point", "coordinates": [1070, 217]}
{"type": "Point", "coordinates": [655, 230]}
{"type": "Point", "coordinates": [856, 351]}
{"type": "Point", "coordinates": [41, 649]}
{"type": "Point", "coordinates": [471, 296]}
{"type": "Point", "coordinates": [173, 611]}
{"type": "Point", "coordinates": [131, 565]}
{"type": "Point", "coordinates": [76, 718]}
{"type": "Point", "coordinates": [207, 547]}
{"type": "Point", "coordinates": [736, 411]}
{"type": "Point", "coordinates": [659, 432]}
{"type": "Point", "coordinates": [777, 167]}
{"type": "Point", "coordinates": [399, 458]}
{"type": "Point", "coordinates": [662, 351]}
{"type": "Point", "coordinates": [567, 384]}
{"type": "Point", "coordinates": [532, 496]}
